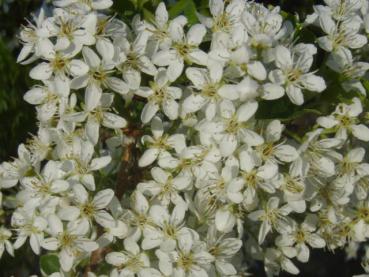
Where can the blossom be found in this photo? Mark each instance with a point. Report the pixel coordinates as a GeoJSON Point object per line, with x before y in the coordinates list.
{"type": "Point", "coordinates": [190, 257]}
{"type": "Point", "coordinates": [87, 209]}
{"type": "Point", "coordinates": [302, 235]}
{"type": "Point", "coordinates": [185, 48]}
{"type": "Point", "coordinates": [71, 242]}
{"type": "Point", "coordinates": [293, 73]}
{"type": "Point", "coordinates": [160, 96]}
{"type": "Point", "coordinates": [133, 261]}
{"type": "Point", "coordinates": [5, 244]}
{"type": "Point", "coordinates": [230, 128]}
{"type": "Point", "coordinates": [165, 187]}
{"type": "Point", "coordinates": [344, 119]}
{"type": "Point", "coordinates": [159, 143]}
{"type": "Point", "coordinates": [29, 225]}
{"type": "Point", "coordinates": [224, 157]}
{"type": "Point", "coordinates": [167, 228]}
{"type": "Point", "coordinates": [272, 217]}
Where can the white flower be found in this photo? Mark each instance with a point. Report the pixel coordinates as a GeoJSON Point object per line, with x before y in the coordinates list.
{"type": "Point", "coordinates": [184, 48]}
{"type": "Point", "coordinates": [270, 151]}
{"type": "Point", "coordinates": [89, 209]}
{"type": "Point", "coordinates": [302, 235]}
{"type": "Point", "coordinates": [276, 259]}
{"type": "Point", "coordinates": [189, 258]}
{"type": "Point", "coordinates": [132, 60]}
{"type": "Point", "coordinates": [42, 188]}
{"type": "Point", "coordinates": [263, 25]}
{"type": "Point", "coordinates": [71, 242]}
{"type": "Point", "coordinates": [253, 178]}
{"type": "Point", "coordinates": [345, 120]}
{"type": "Point", "coordinates": [98, 75]}
{"type": "Point", "coordinates": [211, 91]}
{"type": "Point", "coordinates": [225, 19]}
{"type": "Point", "coordinates": [230, 128]}
{"type": "Point", "coordinates": [165, 187]}
{"type": "Point", "coordinates": [167, 229]}
{"type": "Point", "coordinates": [160, 95]}
{"type": "Point", "coordinates": [71, 30]}
{"type": "Point", "coordinates": [272, 217]}
{"type": "Point", "coordinates": [344, 35]}
{"type": "Point", "coordinates": [159, 143]}
{"type": "Point", "coordinates": [59, 63]}
{"type": "Point", "coordinates": [161, 27]}
{"type": "Point", "coordinates": [223, 250]}
{"type": "Point", "coordinates": [132, 261]}
{"type": "Point", "coordinates": [317, 154]}
{"type": "Point", "coordinates": [138, 215]}
{"type": "Point", "coordinates": [29, 225]}
{"type": "Point", "coordinates": [12, 172]}
{"type": "Point", "coordinates": [294, 75]}
{"type": "Point", "coordinates": [5, 236]}
{"type": "Point", "coordinates": [92, 4]}
{"type": "Point", "coordinates": [342, 62]}
{"type": "Point", "coordinates": [83, 163]}
{"type": "Point", "coordinates": [35, 37]}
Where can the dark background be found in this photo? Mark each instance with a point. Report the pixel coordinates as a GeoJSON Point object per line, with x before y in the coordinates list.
{"type": "Point", "coordinates": [17, 121]}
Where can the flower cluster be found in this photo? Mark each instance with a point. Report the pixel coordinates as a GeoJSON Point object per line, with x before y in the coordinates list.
{"type": "Point", "coordinates": [221, 186]}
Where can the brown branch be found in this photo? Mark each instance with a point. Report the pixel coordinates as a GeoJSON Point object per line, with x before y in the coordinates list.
{"type": "Point", "coordinates": [129, 173]}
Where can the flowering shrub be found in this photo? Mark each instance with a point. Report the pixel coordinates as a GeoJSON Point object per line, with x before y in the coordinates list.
{"type": "Point", "coordinates": [250, 129]}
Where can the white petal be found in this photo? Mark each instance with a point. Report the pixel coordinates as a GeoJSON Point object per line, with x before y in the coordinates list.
{"type": "Point", "coordinates": [148, 157]}
{"type": "Point", "coordinates": [78, 67]}
{"type": "Point", "coordinates": [117, 85]}
{"type": "Point", "coordinates": [295, 95]}
{"type": "Point", "coordinates": [55, 224]}
{"type": "Point", "coordinates": [246, 111]}
{"type": "Point", "coordinates": [161, 15]}
{"type": "Point", "coordinates": [283, 57]}
{"type": "Point", "coordinates": [66, 260]}
{"type": "Point", "coordinates": [313, 83]}
{"type": "Point", "coordinates": [42, 71]}
{"type": "Point", "coordinates": [229, 92]}
{"type": "Point", "coordinates": [105, 48]}
{"type": "Point", "coordinates": [171, 109]}
{"type": "Point", "coordinates": [197, 76]}
{"type": "Point", "coordinates": [50, 244]}
{"type": "Point", "coordinates": [361, 132]}
{"type": "Point", "coordinates": [92, 97]}
{"type": "Point", "coordinates": [99, 163]}
{"type": "Point", "coordinates": [272, 91]}
{"type": "Point", "coordinates": [113, 121]}
{"type": "Point", "coordinates": [257, 70]}
{"type": "Point", "coordinates": [224, 220]}
{"type": "Point", "coordinates": [115, 258]}
{"type": "Point", "coordinates": [105, 219]}
{"type": "Point", "coordinates": [91, 58]}
{"type": "Point", "coordinates": [103, 198]}
{"type": "Point", "coordinates": [196, 34]}
{"type": "Point", "coordinates": [148, 112]}
{"type": "Point", "coordinates": [286, 153]}
{"type": "Point", "coordinates": [35, 96]}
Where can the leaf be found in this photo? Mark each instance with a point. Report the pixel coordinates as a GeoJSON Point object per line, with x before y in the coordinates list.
{"type": "Point", "coordinates": [148, 15]}
{"type": "Point", "coordinates": [186, 7]}
{"type": "Point", "coordinates": [281, 108]}
{"type": "Point", "coordinates": [49, 264]}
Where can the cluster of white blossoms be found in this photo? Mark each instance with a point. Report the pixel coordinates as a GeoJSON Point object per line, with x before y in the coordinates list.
{"type": "Point", "coordinates": [221, 187]}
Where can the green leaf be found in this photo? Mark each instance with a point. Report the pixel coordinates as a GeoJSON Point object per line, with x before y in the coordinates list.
{"type": "Point", "coordinates": [148, 15]}
{"type": "Point", "coordinates": [186, 7]}
{"type": "Point", "coordinates": [281, 108]}
{"type": "Point", "coordinates": [49, 264]}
